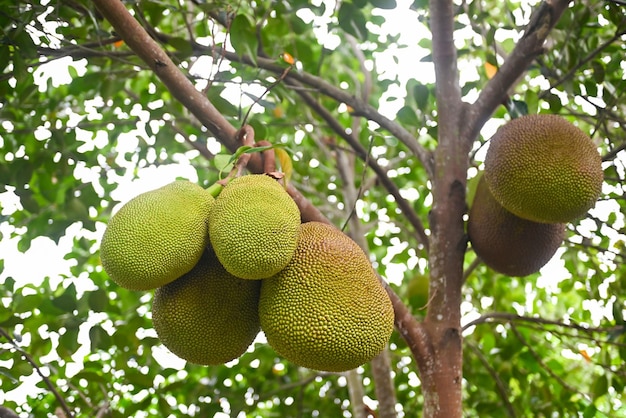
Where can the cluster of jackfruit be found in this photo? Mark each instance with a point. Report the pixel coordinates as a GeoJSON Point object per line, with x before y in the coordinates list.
{"type": "Point", "coordinates": [225, 268]}
{"type": "Point", "coordinates": [541, 172]}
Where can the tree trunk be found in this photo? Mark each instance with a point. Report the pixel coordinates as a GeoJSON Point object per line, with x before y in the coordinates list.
{"type": "Point", "coordinates": [442, 373]}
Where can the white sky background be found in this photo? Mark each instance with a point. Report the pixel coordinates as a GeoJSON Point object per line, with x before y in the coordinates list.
{"type": "Point", "coordinates": [45, 258]}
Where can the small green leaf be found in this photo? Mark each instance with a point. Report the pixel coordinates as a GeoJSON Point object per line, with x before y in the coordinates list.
{"type": "Point", "coordinates": [99, 338]}
{"type": "Point", "coordinates": [600, 386]}
{"type": "Point", "coordinates": [223, 162]}
{"type": "Point", "coordinates": [98, 300]}
{"type": "Point", "coordinates": [384, 4]}
{"type": "Point", "coordinates": [243, 36]}
{"type": "Point", "coordinates": [67, 301]}
{"type": "Point", "coordinates": [618, 313]}
{"type": "Point", "coordinates": [352, 20]}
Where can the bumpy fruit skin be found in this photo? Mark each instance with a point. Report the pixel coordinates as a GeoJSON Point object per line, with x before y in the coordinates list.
{"type": "Point", "coordinates": [157, 236]}
{"type": "Point", "coordinates": [207, 316]}
{"type": "Point", "coordinates": [253, 227]}
{"type": "Point", "coordinates": [544, 169]}
{"type": "Point", "coordinates": [326, 310]}
{"type": "Point", "coordinates": [507, 243]}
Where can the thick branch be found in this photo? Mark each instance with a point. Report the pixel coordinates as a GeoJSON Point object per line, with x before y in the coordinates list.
{"type": "Point", "coordinates": [411, 329]}
{"type": "Point", "coordinates": [183, 90]}
{"type": "Point", "coordinates": [527, 49]}
{"type": "Point", "coordinates": [160, 63]}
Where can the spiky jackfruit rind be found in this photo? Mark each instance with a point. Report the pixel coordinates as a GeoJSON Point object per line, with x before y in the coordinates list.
{"type": "Point", "coordinates": [157, 236]}
{"type": "Point", "coordinates": [507, 243]}
{"type": "Point", "coordinates": [326, 310]}
{"type": "Point", "coordinates": [253, 227]}
{"type": "Point", "coordinates": [544, 169]}
{"type": "Point", "coordinates": [207, 316]}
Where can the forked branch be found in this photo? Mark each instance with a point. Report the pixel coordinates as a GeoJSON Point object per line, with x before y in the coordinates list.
{"type": "Point", "coordinates": [527, 49]}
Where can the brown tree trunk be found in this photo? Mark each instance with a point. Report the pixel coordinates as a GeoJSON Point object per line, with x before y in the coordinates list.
{"type": "Point", "coordinates": [442, 374]}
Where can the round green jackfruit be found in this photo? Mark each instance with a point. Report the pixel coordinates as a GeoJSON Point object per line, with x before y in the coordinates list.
{"type": "Point", "coordinates": [253, 227]}
{"type": "Point", "coordinates": [507, 243]}
{"type": "Point", "coordinates": [157, 236]}
{"type": "Point", "coordinates": [544, 169]}
{"type": "Point", "coordinates": [327, 310]}
{"type": "Point", "coordinates": [207, 316]}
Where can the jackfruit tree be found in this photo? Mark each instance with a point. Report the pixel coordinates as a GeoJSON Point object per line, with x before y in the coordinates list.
{"type": "Point", "coordinates": [430, 293]}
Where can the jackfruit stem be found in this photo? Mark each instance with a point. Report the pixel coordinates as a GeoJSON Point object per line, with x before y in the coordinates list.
{"type": "Point", "coordinates": [215, 189]}
{"type": "Point", "coordinates": [269, 156]}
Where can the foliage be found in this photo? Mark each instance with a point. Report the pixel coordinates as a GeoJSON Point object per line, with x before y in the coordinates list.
{"type": "Point", "coordinates": [551, 344]}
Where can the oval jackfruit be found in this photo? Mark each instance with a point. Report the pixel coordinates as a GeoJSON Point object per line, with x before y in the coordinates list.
{"type": "Point", "coordinates": [544, 169]}
{"type": "Point", "coordinates": [207, 316]}
{"type": "Point", "coordinates": [157, 236]}
{"type": "Point", "coordinates": [326, 310]}
{"type": "Point", "coordinates": [507, 243]}
{"type": "Point", "coordinates": [253, 227]}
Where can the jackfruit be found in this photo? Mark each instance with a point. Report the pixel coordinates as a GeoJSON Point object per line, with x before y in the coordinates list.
{"type": "Point", "coordinates": [157, 236]}
{"type": "Point", "coordinates": [507, 243]}
{"type": "Point", "coordinates": [207, 316]}
{"type": "Point", "coordinates": [253, 227]}
{"type": "Point", "coordinates": [544, 169]}
{"type": "Point", "coordinates": [326, 310]}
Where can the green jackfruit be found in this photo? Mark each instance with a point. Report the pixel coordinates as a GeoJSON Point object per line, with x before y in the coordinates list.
{"type": "Point", "coordinates": [253, 227]}
{"type": "Point", "coordinates": [544, 169]}
{"type": "Point", "coordinates": [207, 316]}
{"type": "Point", "coordinates": [327, 310]}
{"type": "Point", "coordinates": [507, 243]}
{"type": "Point", "coordinates": [157, 237]}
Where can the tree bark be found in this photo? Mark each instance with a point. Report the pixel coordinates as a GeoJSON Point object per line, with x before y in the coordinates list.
{"type": "Point", "coordinates": [441, 375]}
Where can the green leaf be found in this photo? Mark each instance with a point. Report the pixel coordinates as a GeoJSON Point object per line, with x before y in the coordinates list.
{"type": "Point", "coordinates": [600, 386]}
{"type": "Point", "coordinates": [98, 300]}
{"type": "Point", "coordinates": [352, 20]}
{"type": "Point", "coordinates": [183, 46]}
{"type": "Point", "coordinates": [99, 338]}
{"type": "Point", "coordinates": [243, 36]}
{"type": "Point", "coordinates": [384, 4]}
{"type": "Point", "coordinates": [67, 301]}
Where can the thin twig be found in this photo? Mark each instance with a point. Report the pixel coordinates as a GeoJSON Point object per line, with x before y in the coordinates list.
{"type": "Point", "coordinates": [502, 390]}
{"type": "Point", "coordinates": [46, 380]}
{"type": "Point", "coordinates": [510, 317]}
{"type": "Point", "coordinates": [543, 365]}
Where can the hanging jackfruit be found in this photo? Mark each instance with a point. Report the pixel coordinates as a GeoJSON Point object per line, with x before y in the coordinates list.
{"type": "Point", "coordinates": [327, 310]}
{"type": "Point", "coordinates": [544, 169]}
{"type": "Point", "coordinates": [207, 316]}
{"type": "Point", "coordinates": [157, 236]}
{"type": "Point", "coordinates": [253, 227]}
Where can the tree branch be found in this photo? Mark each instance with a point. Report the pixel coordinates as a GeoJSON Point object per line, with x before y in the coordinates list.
{"type": "Point", "coordinates": [362, 153]}
{"type": "Point", "coordinates": [510, 317]}
{"type": "Point", "coordinates": [184, 91]}
{"type": "Point", "coordinates": [543, 365]}
{"type": "Point", "coordinates": [527, 49]}
{"type": "Point", "coordinates": [160, 63]}
{"type": "Point", "coordinates": [46, 380]}
{"type": "Point", "coordinates": [618, 34]}
{"type": "Point", "coordinates": [500, 386]}
{"type": "Point", "coordinates": [381, 369]}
